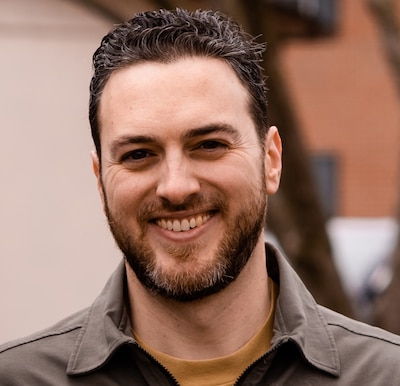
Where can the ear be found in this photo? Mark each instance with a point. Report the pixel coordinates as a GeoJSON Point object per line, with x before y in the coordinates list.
{"type": "Point", "coordinates": [97, 172]}
{"type": "Point", "coordinates": [273, 160]}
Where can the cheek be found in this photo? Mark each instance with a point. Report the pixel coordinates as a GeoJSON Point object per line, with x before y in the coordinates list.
{"type": "Point", "coordinates": [242, 176]}
{"type": "Point", "coordinates": [122, 194]}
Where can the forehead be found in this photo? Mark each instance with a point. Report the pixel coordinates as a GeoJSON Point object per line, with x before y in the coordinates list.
{"type": "Point", "coordinates": [190, 92]}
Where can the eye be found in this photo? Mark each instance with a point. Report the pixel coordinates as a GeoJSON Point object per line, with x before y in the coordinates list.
{"type": "Point", "coordinates": [212, 145]}
{"type": "Point", "coordinates": [138, 159]}
{"type": "Point", "coordinates": [136, 155]}
{"type": "Point", "coordinates": [210, 149]}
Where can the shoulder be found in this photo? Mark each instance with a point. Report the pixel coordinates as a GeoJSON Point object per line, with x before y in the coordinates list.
{"type": "Point", "coordinates": [365, 352]}
{"type": "Point", "coordinates": [48, 349]}
{"type": "Point", "coordinates": [61, 330]}
{"type": "Point", "coordinates": [352, 336]}
{"type": "Point", "coordinates": [356, 329]}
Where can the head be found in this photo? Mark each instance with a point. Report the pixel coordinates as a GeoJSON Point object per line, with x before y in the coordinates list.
{"type": "Point", "coordinates": [184, 159]}
{"type": "Point", "coordinates": [166, 36]}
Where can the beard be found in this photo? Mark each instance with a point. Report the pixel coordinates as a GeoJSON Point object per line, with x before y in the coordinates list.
{"type": "Point", "coordinates": [195, 278]}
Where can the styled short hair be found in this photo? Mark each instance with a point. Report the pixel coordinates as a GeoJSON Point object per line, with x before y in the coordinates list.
{"type": "Point", "coordinates": [166, 36]}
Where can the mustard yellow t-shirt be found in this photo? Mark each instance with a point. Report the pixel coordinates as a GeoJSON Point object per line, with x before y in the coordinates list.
{"type": "Point", "coordinates": [223, 371]}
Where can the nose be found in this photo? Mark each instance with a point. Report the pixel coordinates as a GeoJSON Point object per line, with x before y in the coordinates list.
{"type": "Point", "coordinates": [177, 181]}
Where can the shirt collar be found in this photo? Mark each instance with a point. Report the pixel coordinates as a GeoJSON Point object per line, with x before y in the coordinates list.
{"type": "Point", "coordinates": [298, 318]}
{"type": "Point", "coordinates": [105, 329]}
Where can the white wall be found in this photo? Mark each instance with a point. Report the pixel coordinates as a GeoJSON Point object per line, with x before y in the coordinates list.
{"type": "Point", "coordinates": [55, 249]}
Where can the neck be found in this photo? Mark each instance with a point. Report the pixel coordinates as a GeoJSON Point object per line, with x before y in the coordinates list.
{"type": "Point", "coordinates": [212, 327]}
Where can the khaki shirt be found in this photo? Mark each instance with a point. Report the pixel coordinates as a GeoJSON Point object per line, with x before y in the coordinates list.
{"type": "Point", "coordinates": [311, 345]}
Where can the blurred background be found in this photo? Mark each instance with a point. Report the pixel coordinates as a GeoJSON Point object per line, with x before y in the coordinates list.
{"type": "Point", "coordinates": [333, 70]}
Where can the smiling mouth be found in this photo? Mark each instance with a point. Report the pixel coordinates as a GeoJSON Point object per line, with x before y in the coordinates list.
{"type": "Point", "coordinates": [183, 224]}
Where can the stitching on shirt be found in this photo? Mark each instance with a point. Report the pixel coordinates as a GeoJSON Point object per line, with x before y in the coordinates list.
{"type": "Point", "coordinates": [32, 339]}
{"type": "Point", "coordinates": [367, 335]}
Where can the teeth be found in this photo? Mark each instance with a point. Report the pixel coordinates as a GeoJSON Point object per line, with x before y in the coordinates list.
{"type": "Point", "coordinates": [185, 225]}
{"type": "Point", "coordinates": [182, 225]}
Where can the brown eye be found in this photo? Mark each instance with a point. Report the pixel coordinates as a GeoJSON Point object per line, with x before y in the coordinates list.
{"type": "Point", "coordinates": [139, 159]}
{"type": "Point", "coordinates": [136, 155]}
{"type": "Point", "coordinates": [212, 145]}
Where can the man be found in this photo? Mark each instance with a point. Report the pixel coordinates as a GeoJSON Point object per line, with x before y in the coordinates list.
{"type": "Point", "coordinates": [185, 161]}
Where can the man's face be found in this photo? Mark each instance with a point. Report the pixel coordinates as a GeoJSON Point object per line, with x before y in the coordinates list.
{"type": "Point", "coordinates": [183, 177]}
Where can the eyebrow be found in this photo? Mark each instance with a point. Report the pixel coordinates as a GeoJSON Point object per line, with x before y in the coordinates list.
{"type": "Point", "coordinates": [210, 129]}
{"type": "Point", "coordinates": [190, 134]}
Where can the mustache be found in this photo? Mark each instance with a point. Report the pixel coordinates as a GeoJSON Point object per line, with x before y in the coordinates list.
{"type": "Point", "coordinates": [156, 208]}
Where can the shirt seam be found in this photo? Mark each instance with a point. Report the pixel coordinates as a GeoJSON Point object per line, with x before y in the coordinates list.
{"type": "Point", "coordinates": [363, 334]}
{"type": "Point", "coordinates": [40, 337]}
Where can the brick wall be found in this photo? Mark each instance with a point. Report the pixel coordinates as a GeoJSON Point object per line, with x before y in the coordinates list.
{"type": "Point", "coordinates": [348, 107]}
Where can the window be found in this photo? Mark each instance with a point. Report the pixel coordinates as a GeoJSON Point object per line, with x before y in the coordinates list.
{"type": "Point", "coordinates": [325, 167]}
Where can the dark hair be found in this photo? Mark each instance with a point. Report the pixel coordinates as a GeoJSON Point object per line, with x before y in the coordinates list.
{"type": "Point", "coordinates": [165, 36]}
